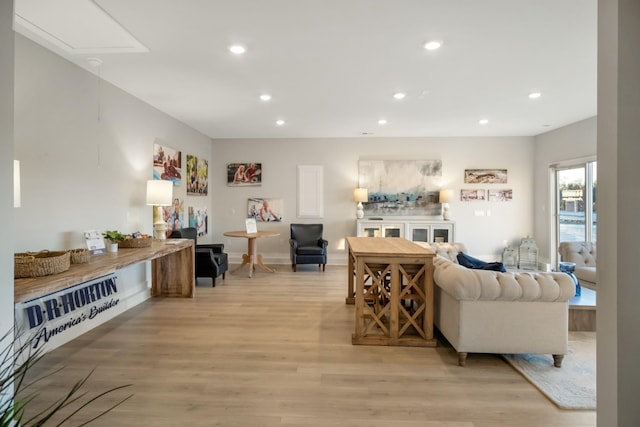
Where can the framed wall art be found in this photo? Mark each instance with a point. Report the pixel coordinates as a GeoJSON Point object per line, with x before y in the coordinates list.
{"type": "Point", "coordinates": [500, 195]}
{"type": "Point", "coordinates": [473, 195]}
{"type": "Point", "coordinates": [244, 174]}
{"type": "Point", "coordinates": [401, 187]}
{"type": "Point", "coordinates": [485, 176]}
{"type": "Point", "coordinates": [265, 210]}
{"type": "Point", "coordinates": [197, 176]}
{"type": "Point", "coordinates": [167, 164]}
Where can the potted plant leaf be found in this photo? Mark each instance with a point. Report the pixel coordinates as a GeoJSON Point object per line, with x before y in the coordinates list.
{"type": "Point", "coordinates": [17, 389]}
{"type": "Point", "coordinates": [113, 237]}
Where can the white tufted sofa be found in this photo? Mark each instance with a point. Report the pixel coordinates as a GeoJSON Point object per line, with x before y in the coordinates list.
{"type": "Point", "coordinates": [480, 311]}
{"type": "Point", "coordinates": [584, 255]}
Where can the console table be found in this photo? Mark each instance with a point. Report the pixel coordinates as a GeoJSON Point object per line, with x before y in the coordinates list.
{"type": "Point", "coordinates": [173, 271]}
{"type": "Point", "coordinates": [396, 308]}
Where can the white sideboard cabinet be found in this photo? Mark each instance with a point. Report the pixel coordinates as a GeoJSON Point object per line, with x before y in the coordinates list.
{"type": "Point", "coordinates": [411, 228]}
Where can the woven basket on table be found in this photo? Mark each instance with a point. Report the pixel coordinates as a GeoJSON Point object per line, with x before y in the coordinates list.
{"type": "Point", "coordinates": [38, 264]}
{"type": "Point", "coordinates": [135, 243]}
{"type": "Point", "coordinates": [79, 256]}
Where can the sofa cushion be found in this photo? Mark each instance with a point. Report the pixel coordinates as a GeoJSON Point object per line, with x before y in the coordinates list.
{"type": "Point", "coordinates": [471, 285]}
{"type": "Point", "coordinates": [583, 254]}
{"type": "Point", "coordinates": [470, 262]}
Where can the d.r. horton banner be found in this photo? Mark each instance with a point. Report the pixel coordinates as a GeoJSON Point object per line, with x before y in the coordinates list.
{"type": "Point", "coordinates": [66, 311]}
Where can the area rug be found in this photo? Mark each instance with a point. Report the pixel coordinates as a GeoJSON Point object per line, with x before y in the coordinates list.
{"type": "Point", "coordinates": [573, 386]}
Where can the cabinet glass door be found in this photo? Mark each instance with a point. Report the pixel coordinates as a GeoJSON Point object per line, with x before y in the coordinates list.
{"type": "Point", "coordinates": [392, 231]}
{"type": "Point", "coordinates": [419, 233]}
{"type": "Point", "coordinates": [371, 231]}
{"type": "Point", "coordinates": [441, 234]}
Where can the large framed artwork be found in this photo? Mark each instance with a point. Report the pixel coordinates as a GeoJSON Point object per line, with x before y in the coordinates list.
{"type": "Point", "coordinates": [401, 187]}
{"type": "Point", "coordinates": [167, 164]}
{"type": "Point", "coordinates": [244, 174]}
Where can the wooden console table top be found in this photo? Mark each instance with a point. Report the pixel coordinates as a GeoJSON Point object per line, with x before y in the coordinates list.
{"type": "Point", "coordinates": [99, 265]}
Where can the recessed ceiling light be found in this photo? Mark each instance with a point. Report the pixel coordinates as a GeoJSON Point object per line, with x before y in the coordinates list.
{"type": "Point", "coordinates": [280, 122]}
{"type": "Point", "coordinates": [433, 45]}
{"type": "Point", "coordinates": [535, 95]}
{"type": "Point", "coordinates": [265, 97]}
{"type": "Point", "coordinates": [483, 121]}
{"type": "Point", "coordinates": [237, 49]}
{"type": "Point", "coordinates": [382, 122]}
{"type": "Point", "coordinates": [94, 62]}
{"type": "Point", "coordinates": [399, 95]}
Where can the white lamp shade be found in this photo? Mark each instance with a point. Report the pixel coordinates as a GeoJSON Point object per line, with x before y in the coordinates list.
{"type": "Point", "coordinates": [16, 184]}
{"type": "Point", "coordinates": [446, 196]}
{"type": "Point", "coordinates": [159, 192]}
{"type": "Point", "coordinates": [360, 195]}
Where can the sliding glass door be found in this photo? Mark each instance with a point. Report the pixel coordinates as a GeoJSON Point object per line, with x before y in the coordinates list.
{"type": "Point", "coordinates": [576, 195]}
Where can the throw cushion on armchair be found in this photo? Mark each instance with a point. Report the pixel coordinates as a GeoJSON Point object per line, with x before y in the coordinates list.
{"type": "Point", "coordinates": [475, 263]}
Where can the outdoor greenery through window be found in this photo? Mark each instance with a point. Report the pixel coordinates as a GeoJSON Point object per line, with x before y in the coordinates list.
{"type": "Point", "coordinates": [576, 203]}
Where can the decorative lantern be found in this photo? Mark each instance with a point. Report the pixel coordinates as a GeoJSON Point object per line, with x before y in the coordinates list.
{"type": "Point", "coordinates": [510, 257]}
{"type": "Point", "coordinates": [528, 254]}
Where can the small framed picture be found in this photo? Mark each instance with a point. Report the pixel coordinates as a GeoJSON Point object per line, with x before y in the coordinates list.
{"type": "Point", "coordinates": [500, 195]}
{"type": "Point", "coordinates": [473, 195]}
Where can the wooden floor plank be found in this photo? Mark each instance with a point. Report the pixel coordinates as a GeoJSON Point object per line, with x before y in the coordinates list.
{"type": "Point", "coordinates": [275, 350]}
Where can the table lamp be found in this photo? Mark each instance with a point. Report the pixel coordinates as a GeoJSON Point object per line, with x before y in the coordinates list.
{"type": "Point", "coordinates": [159, 193]}
{"type": "Point", "coordinates": [360, 195]}
{"type": "Point", "coordinates": [445, 197]}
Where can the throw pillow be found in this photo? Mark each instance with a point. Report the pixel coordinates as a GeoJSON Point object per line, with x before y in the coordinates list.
{"type": "Point", "coordinates": [475, 263]}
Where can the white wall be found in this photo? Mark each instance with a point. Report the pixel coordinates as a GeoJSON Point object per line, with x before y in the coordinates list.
{"type": "Point", "coordinates": [6, 166]}
{"type": "Point", "coordinates": [575, 141]}
{"type": "Point", "coordinates": [86, 149]}
{"type": "Point", "coordinates": [483, 236]}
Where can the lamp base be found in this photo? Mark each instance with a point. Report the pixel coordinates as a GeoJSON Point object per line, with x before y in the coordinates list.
{"type": "Point", "coordinates": [445, 212]}
{"type": "Point", "coordinates": [360, 211]}
{"type": "Point", "coordinates": [159, 226]}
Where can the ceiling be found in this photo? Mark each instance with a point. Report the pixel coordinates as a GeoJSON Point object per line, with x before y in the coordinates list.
{"type": "Point", "coordinates": [332, 66]}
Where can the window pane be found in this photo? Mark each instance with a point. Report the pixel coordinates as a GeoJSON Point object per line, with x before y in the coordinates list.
{"type": "Point", "coordinates": [594, 215]}
{"type": "Point", "coordinates": [571, 202]}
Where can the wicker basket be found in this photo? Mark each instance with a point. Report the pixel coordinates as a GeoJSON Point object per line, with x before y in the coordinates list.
{"type": "Point", "coordinates": [79, 256]}
{"type": "Point", "coordinates": [135, 243]}
{"type": "Point", "coordinates": [38, 264]}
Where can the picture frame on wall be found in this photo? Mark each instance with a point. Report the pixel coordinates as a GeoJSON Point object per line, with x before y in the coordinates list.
{"type": "Point", "coordinates": [485, 176]}
{"type": "Point", "coordinates": [265, 210]}
{"type": "Point", "coordinates": [167, 164]}
{"type": "Point", "coordinates": [500, 195]}
{"type": "Point", "coordinates": [473, 195]}
{"type": "Point", "coordinates": [244, 174]}
{"type": "Point", "coordinates": [197, 176]}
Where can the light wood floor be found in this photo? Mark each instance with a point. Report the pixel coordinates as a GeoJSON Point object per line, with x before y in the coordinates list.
{"type": "Point", "coordinates": [275, 350]}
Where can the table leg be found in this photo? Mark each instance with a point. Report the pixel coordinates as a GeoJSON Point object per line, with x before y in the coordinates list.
{"type": "Point", "coordinates": [245, 260]}
{"type": "Point", "coordinates": [350, 275]}
{"type": "Point", "coordinates": [264, 267]}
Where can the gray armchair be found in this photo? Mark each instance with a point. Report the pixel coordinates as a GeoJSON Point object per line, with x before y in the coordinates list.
{"type": "Point", "coordinates": [307, 245]}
